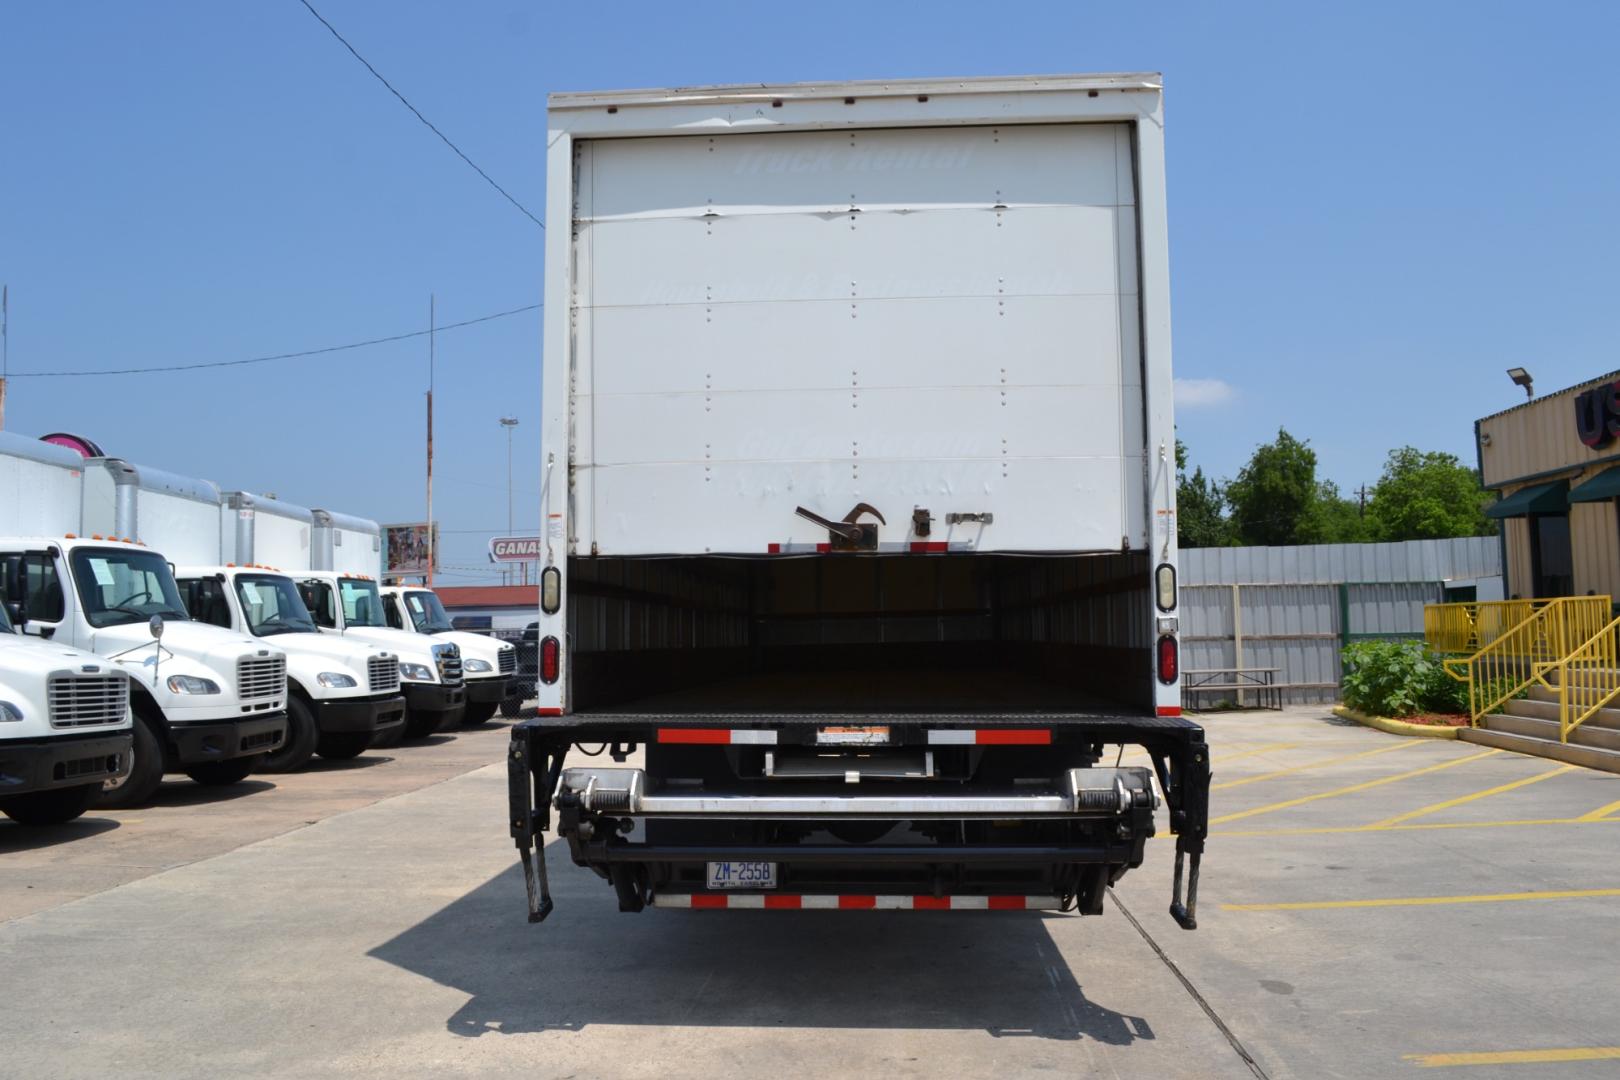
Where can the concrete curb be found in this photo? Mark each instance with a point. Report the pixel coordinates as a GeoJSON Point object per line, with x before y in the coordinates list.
{"type": "Point", "coordinates": [1397, 727]}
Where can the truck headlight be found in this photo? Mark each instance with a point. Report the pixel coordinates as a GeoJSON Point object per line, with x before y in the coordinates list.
{"type": "Point", "coordinates": [478, 665]}
{"type": "Point", "coordinates": [416, 672]}
{"type": "Point", "coordinates": [191, 684]}
{"type": "Point", "coordinates": [9, 713]}
{"type": "Point", "coordinates": [336, 680]}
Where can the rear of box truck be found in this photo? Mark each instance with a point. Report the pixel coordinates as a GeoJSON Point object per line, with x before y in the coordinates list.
{"type": "Point", "coordinates": [859, 496]}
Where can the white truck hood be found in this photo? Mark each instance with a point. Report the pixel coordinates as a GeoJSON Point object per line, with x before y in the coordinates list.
{"type": "Point", "coordinates": [473, 646]}
{"type": "Point", "coordinates": [410, 648]}
{"type": "Point", "coordinates": [208, 644]}
{"type": "Point", "coordinates": [25, 655]}
{"type": "Point", "coordinates": [350, 650]}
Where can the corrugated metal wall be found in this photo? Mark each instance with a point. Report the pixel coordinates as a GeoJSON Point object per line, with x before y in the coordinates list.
{"type": "Point", "coordinates": [1294, 608]}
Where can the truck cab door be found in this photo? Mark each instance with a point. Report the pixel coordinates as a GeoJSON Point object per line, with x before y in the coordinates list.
{"type": "Point", "coordinates": [322, 604]}
{"type": "Point", "coordinates": [31, 580]}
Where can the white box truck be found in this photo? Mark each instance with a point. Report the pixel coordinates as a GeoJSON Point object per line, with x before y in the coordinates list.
{"type": "Point", "coordinates": [64, 726]}
{"type": "Point", "coordinates": [206, 702]}
{"type": "Point", "coordinates": [344, 544]}
{"type": "Point", "coordinates": [488, 665]}
{"type": "Point", "coordinates": [859, 495]}
{"type": "Point", "coordinates": [343, 694]}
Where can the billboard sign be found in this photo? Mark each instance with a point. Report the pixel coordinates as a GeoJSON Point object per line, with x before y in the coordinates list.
{"type": "Point", "coordinates": [514, 549]}
{"type": "Point", "coordinates": [406, 547]}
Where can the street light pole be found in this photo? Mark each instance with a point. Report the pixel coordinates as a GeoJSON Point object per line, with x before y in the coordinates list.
{"type": "Point", "coordinates": [509, 423]}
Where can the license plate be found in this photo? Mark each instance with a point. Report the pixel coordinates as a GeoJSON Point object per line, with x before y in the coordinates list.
{"type": "Point", "coordinates": [852, 736]}
{"type": "Point", "coordinates": [742, 875]}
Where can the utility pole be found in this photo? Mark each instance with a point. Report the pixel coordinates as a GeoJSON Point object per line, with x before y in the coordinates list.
{"type": "Point", "coordinates": [509, 423]}
{"type": "Point", "coordinates": [5, 348]}
{"type": "Point", "coordinates": [431, 331]}
{"type": "Point", "coordinates": [1363, 500]}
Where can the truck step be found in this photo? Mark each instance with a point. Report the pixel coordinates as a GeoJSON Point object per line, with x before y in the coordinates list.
{"type": "Point", "coordinates": [854, 902]}
{"type": "Point", "coordinates": [1591, 757]}
{"type": "Point", "coordinates": [1543, 703]}
{"type": "Point", "coordinates": [1538, 727]}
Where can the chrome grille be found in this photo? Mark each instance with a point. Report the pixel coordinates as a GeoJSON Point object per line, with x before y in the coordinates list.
{"type": "Point", "coordinates": [448, 658]}
{"type": "Point", "coordinates": [261, 677]}
{"type": "Point", "coordinates": [508, 660]}
{"type": "Point", "coordinates": [384, 672]}
{"type": "Point", "coordinates": [86, 700]}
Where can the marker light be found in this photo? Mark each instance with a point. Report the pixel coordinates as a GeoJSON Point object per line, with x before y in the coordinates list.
{"type": "Point", "coordinates": [550, 660]}
{"type": "Point", "coordinates": [1164, 587]}
{"type": "Point", "coordinates": [1169, 659]}
{"type": "Point", "coordinates": [550, 590]}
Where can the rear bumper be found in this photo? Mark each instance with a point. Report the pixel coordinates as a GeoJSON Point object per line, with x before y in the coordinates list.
{"type": "Point", "coordinates": [41, 764]}
{"type": "Point", "coordinates": [360, 714]}
{"type": "Point", "coordinates": [485, 691]}
{"type": "Point", "coordinates": [197, 744]}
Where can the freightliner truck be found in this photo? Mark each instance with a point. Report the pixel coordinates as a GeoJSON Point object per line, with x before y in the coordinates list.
{"type": "Point", "coordinates": [207, 702]}
{"type": "Point", "coordinates": [858, 491]}
{"type": "Point", "coordinates": [64, 726]}
{"type": "Point", "coordinates": [489, 666]}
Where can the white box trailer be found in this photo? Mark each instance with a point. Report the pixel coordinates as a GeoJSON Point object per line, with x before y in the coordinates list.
{"type": "Point", "coordinates": [859, 495]}
{"type": "Point", "coordinates": [265, 530]}
{"type": "Point", "coordinates": [176, 514]}
{"type": "Point", "coordinates": [345, 544]}
{"type": "Point", "coordinates": [41, 485]}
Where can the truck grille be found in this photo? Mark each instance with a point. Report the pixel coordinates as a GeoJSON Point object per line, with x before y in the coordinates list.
{"type": "Point", "coordinates": [87, 700]}
{"type": "Point", "coordinates": [384, 672]}
{"type": "Point", "coordinates": [508, 661]}
{"type": "Point", "coordinates": [261, 677]}
{"type": "Point", "coordinates": [449, 661]}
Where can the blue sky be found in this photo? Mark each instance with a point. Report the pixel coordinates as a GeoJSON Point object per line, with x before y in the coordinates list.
{"type": "Point", "coordinates": [1375, 209]}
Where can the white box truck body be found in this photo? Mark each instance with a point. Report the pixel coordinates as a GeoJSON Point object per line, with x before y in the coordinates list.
{"type": "Point", "coordinates": [344, 544]}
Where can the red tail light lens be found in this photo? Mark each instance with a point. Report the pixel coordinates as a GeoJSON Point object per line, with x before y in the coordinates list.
{"type": "Point", "coordinates": [550, 660]}
{"type": "Point", "coordinates": [1169, 659]}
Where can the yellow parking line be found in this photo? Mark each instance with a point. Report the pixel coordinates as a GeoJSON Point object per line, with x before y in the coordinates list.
{"type": "Point", "coordinates": [1314, 765]}
{"type": "Point", "coordinates": [1219, 758]}
{"type": "Point", "coordinates": [1517, 1057]}
{"type": "Point", "coordinates": [1224, 833]}
{"type": "Point", "coordinates": [1363, 786]}
{"type": "Point", "coordinates": [1449, 803]}
{"type": "Point", "coordinates": [1424, 901]}
{"type": "Point", "coordinates": [1600, 813]}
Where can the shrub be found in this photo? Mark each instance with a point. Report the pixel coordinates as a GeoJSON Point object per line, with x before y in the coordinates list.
{"type": "Point", "coordinates": [1399, 678]}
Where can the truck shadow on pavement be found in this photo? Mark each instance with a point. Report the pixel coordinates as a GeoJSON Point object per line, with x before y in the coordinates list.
{"type": "Point", "coordinates": [590, 964]}
{"type": "Point", "coordinates": [14, 837]}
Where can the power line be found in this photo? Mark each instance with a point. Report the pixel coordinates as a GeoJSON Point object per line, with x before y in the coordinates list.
{"type": "Point", "coordinates": [445, 138]}
{"type": "Point", "coordinates": [277, 356]}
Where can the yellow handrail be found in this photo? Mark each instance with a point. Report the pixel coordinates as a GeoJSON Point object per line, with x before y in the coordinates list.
{"type": "Point", "coordinates": [1588, 679]}
{"type": "Point", "coordinates": [1469, 627]}
{"type": "Point", "coordinates": [1517, 656]}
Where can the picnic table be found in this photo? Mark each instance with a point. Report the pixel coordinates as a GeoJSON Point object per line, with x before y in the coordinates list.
{"type": "Point", "coordinates": [1259, 682]}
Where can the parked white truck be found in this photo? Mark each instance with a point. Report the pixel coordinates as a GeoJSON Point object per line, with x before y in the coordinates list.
{"type": "Point", "coordinates": [206, 702]}
{"type": "Point", "coordinates": [64, 727]}
{"type": "Point", "coordinates": [859, 498]}
{"type": "Point", "coordinates": [430, 671]}
{"type": "Point", "coordinates": [488, 665]}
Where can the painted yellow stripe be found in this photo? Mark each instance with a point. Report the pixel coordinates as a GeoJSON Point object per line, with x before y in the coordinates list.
{"type": "Point", "coordinates": [1352, 789]}
{"type": "Point", "coordinates": [1402, 745]}
{"type": "Point", "coordinates": [1449, 803]}
{"type": "Point", "coordinates": [1424, 901]}
{"type": "Point", "coordinates": [1219, 758]}
{"type": "Point", "coordinates": [1517, 1057]}
{"type": "Point", "coordinates": [1601, 812]}
{"type": "Point", "coordinates": [1224, 833]}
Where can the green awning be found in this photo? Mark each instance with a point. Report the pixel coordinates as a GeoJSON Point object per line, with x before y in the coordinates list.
{"type": "Point", "coordinates": [1541, 499]}
{"type": "Point", "coordinates": [1605, 485]}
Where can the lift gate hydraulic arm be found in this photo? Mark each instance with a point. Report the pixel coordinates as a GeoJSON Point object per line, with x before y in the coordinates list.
{"type": "Point", "coordinates": [1179, 754]}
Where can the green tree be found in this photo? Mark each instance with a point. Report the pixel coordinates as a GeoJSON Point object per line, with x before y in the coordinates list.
{"type": "Point", "coordinates": [1275, 499]}
{"type": "Point", "coordinates": [1338, 520]}
{"type": "Point", "coordinates": [1427, 496]}
{"type": "Point", "coordinates": [1200, 507]}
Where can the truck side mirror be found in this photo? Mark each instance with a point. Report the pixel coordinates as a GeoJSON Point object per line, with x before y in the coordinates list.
{"type": "Point", "coordinates": [155, 625]}
{"type": "Point", "coordinates": [14, 611]}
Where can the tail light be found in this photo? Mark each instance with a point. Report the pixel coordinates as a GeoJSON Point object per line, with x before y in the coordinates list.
{"type": "Point", "coordinates": [550, 590]}
{"type": "Point", "coordinates": [1164, 587]}
{"type": "Point", "coordinates": [551, 660]}
{"type": "Point", "coordinates": [1169, 659]}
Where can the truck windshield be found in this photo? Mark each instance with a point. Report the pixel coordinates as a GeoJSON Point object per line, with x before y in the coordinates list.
{"type": "Point", "coordinates": [427, 614]}
{"type": "Point", "coordinates": [271, 605]}
{"type": "Point", "coordinates": [362, 602]}
{"type": "Point", "coordinates": [119, 586]}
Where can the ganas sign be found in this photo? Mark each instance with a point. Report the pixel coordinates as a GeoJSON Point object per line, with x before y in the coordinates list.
{"type": "Point", "coordinates": [1597, 415]}
{"type": "Point", "coordinates": [514, 549]}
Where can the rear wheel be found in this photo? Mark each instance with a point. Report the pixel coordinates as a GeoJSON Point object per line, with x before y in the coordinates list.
{"type": "Point", "coordinates": [49, 807]}
{"type": "Point", "coordinates": [343, 745]}
{"type": "Point", "coordinates": [477, 712]}
{"type": "Point", "coordinates": [302, 737]}
{"type": "Point", "coordinates": [223, 773]}
{"type": "Point", "coordinates": [145, 768]}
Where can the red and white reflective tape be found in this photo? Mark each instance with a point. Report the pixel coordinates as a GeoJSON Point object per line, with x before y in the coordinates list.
{"type": "Point", "coordinates": [854, 902]}
{"type": "Point", "coordinates": [914, 547]}
{"type": "Point", "coordinates": [989, 737]}
{"type": "Point", "coordinates": [716, 736]}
